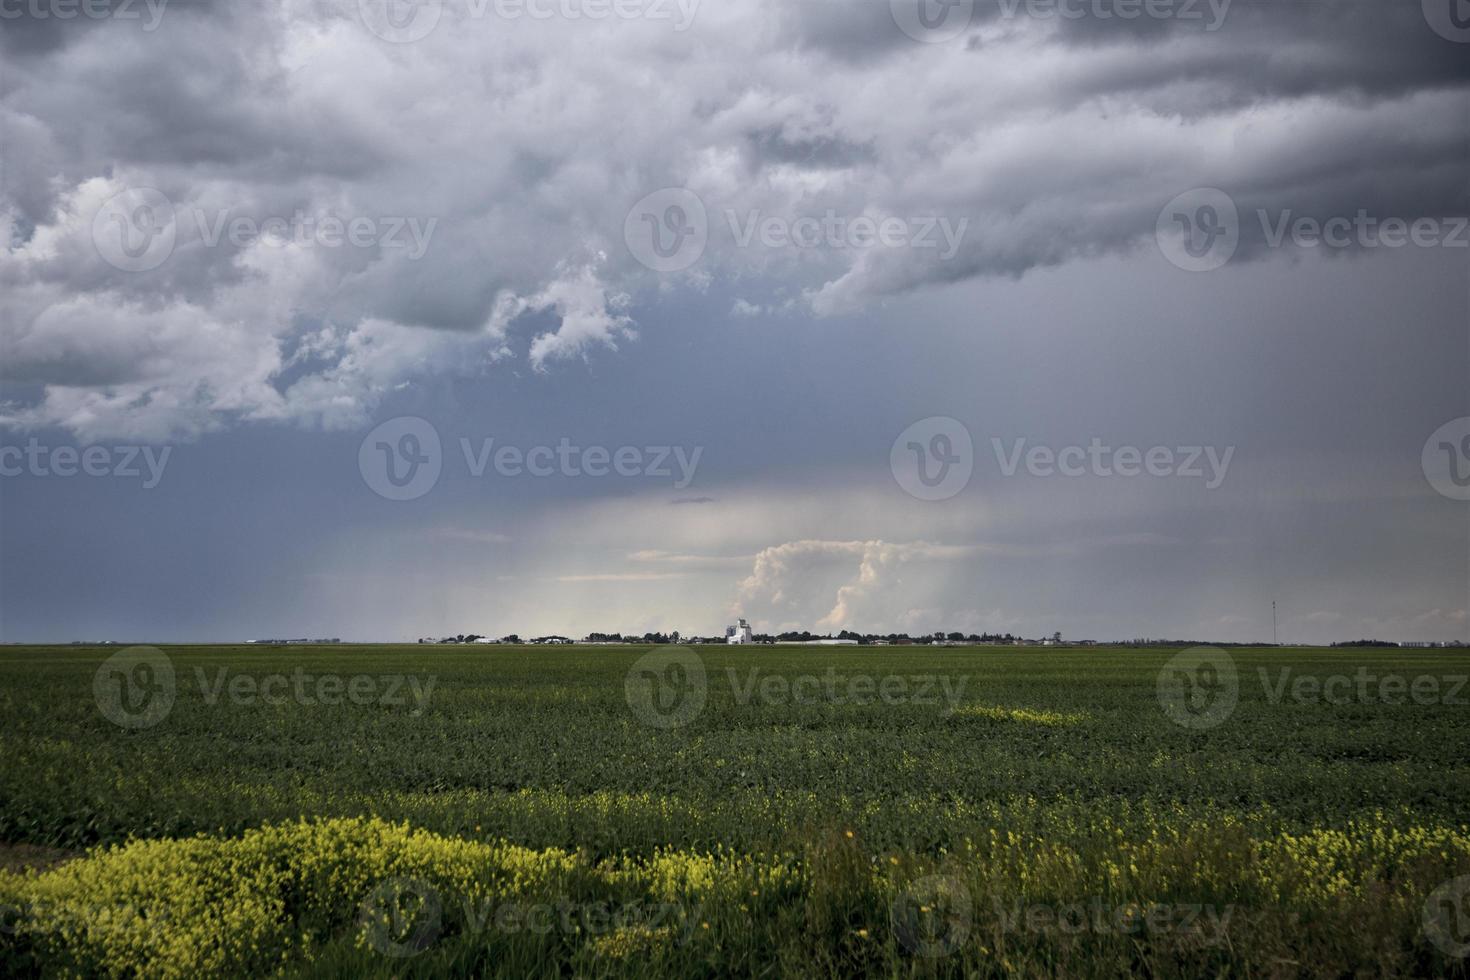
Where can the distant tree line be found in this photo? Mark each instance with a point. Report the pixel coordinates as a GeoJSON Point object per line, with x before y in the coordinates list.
{"type": "Point", "coordinates": [649, 638]}
{"type": "Point", "coordinates": [790, 636]}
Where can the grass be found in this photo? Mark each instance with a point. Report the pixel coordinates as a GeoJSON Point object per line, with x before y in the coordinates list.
{"type": "Point", "coordinates": [1003, 812]}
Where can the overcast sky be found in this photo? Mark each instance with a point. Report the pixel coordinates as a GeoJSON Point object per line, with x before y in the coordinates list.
{"type": "Point", "coordinates": [989, 316]}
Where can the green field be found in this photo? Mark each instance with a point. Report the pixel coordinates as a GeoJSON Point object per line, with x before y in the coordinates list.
{"type": "Point", "coordinates": [817, 812]}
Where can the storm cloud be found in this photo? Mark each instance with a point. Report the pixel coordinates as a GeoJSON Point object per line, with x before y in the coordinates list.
{"type": "Point", "coordinates": [1051, 133]}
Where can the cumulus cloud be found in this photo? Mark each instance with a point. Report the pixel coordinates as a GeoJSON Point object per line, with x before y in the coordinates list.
{"type": "Point", "coordinates": [521, 144]}
{"type": "Point", "coordinates": [841, 584]}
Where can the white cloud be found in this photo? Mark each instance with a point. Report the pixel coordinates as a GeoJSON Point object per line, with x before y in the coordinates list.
{"type": "Point", "coordinates": [786, 585]}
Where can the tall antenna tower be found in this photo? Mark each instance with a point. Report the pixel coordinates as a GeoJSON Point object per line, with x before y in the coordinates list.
{"type": "Point", "coordinates": [1274, 641]}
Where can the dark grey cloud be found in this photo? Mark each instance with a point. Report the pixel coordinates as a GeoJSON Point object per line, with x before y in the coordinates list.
{"type": "Point", "coordinates": [1250, 48]}
{"type": "Point", "coordinates": [1045, 139]}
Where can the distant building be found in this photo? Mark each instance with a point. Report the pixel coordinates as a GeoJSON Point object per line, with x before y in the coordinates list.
{"type": "Point", "coordinates": [739, 634]}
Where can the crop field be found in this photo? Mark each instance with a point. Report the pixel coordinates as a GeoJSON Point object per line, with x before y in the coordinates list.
{"type": "Point", "coordinates": [769, 811]}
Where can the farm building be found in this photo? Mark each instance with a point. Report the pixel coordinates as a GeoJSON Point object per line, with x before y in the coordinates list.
{"type": "Point", "coordinates": [739, 634]}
